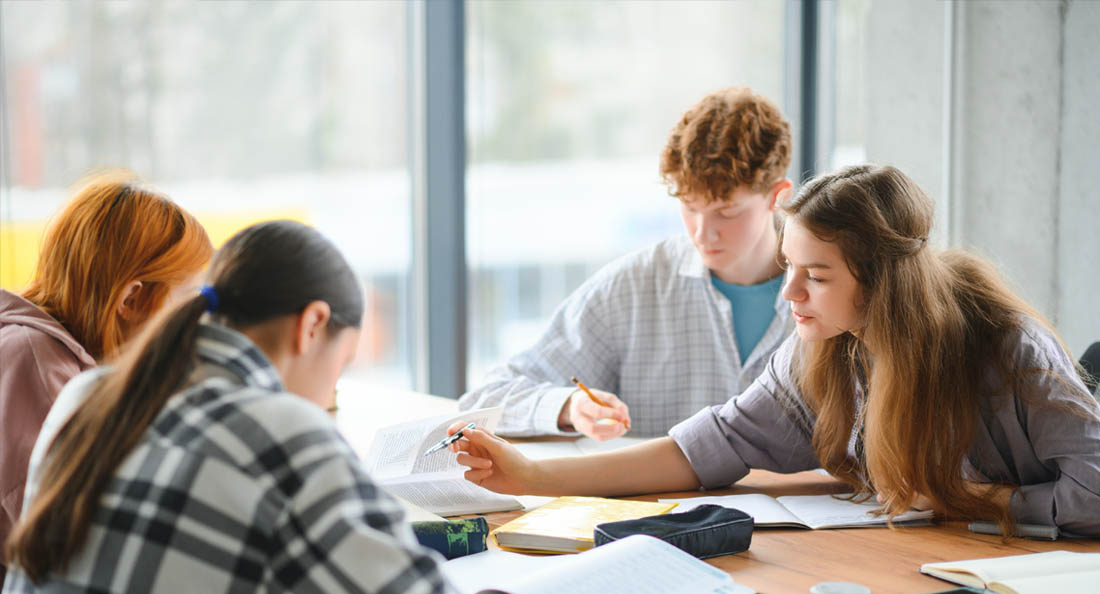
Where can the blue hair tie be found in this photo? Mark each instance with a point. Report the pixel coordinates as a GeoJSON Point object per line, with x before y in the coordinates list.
{"type": "Point", "coordinates": [211, 298]}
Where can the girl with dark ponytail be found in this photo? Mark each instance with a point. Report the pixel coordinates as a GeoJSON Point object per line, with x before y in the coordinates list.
{"type": "Point", "coordinates": [204, 460]}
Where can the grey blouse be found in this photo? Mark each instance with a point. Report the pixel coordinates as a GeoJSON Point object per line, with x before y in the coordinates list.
{"type": "Point", "coordinates": [1053, 453]}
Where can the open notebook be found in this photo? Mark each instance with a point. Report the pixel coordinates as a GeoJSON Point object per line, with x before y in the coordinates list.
{"type": "Point", "coordinates": [638, 564]}
{"type": "Point", "coordinates": [1037, 573]}
{"type": "Point", "coordinates": [804, 511]}
{"type": "Point", "coordinates": [436, 483]}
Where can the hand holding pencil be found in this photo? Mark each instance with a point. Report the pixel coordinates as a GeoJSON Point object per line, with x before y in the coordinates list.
{"type": "Point", "coordinates": [595, 413]}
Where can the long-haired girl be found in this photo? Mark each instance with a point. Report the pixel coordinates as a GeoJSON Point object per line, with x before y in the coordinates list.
{"type": "Point", "coordinates": [115, 255]}
{"type": "Point", "coordinates": [915, 375]}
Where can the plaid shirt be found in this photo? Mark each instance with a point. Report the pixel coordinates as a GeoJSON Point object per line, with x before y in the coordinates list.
{"type": "Point", "coordinates": [650, 328]}
{"type": "Point", "coordinates": [237, 486]}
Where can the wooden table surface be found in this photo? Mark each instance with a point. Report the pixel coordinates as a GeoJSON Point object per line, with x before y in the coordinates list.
{"type": "Point", "coordinates": [779, 559]}
{"type": "Point", "coordinates": [883, 559]}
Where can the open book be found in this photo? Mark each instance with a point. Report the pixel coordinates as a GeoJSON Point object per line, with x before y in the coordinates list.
{"type": "Point", "coordinates": [1038, 573]}
{"type": "Point", "coordinates": [638, 564]}
{"type": "Point", "coordinates": [566, 524]}
{"type": "Point", "coordinates": [804, 511]}
{"type": "Point", "coordinates": [436, 483]}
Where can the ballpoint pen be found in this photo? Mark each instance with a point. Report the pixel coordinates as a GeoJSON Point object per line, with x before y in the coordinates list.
{"type": "Point", "coordinates": [446, 441]}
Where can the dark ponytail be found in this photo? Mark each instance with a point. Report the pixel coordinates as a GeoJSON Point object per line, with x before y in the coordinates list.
{"type": "Point", "coordinates": [263, 272]}
{"type": "Point", "coordinates": [280, 267]}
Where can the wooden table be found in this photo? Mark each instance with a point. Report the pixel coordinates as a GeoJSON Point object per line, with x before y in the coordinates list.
{"type": "Point", "coordinates": [883, 559]}
{"type": "Point", "coordinates": [780, 559]}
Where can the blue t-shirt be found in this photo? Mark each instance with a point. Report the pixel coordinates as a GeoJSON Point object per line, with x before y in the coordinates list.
{"type": "Point", "coordinates": [753, 308]}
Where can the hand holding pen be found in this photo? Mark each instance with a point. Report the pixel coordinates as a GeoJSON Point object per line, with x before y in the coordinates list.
{"type": "Point", "coordinates": [595, 413]}
{"type": "Point", "coordinates": [446, 441]}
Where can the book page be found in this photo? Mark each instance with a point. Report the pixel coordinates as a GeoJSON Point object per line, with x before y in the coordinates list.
{"type": "Point", "coordinates": [486, 418]}
{"type": "Point", "coordinates": [765, 510]}
{"type": "Point", "coordinates": [826, 511]}
{"type": "Point", "coordinates": [415, 513]}
{"type": "Point", "coordinates": [494, 568]}
{"type": "Point", "coordinates": [637, 564]}
{"type": "Point", "coordinates": [1006, 569]}
{"type": "Point", "coordinates": [1078, 581]}
{"type": "Point", "coordinates": [398, 450]}
{"type": "Point", "coordinates": [448, 495]}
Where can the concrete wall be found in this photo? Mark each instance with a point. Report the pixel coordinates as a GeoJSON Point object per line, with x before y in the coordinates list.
{"type": "Point", "coordinates": [1078, 279]}
{"type": "Point", "coordinates": [905, 83]}
{"type": "Point", "coordinates": [993, 108]}
{"type": "Point", "coordinates": [1008, 175]}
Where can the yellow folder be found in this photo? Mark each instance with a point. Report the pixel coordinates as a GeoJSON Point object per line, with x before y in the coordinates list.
{"type": "Point", "coordinates": [565, 524]}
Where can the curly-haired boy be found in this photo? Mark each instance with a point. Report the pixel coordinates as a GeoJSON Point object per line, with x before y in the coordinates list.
{"type": "Point", "coordinates": [684, 324]}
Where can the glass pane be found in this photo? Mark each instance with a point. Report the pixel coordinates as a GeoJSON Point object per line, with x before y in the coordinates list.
{"type": "Point", "coordinates": [849, 145]}
{"type": "Point", "coordinates": [240, 111]}
{"type": "Point", "coordinates": [569, 105]}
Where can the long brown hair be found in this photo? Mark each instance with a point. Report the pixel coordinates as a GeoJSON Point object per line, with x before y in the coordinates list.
{"type": "Point", "coordinates": [114, 231]}
{"type": "Point", "coordinates": [931, 321]}
{"type": "Point", "coordinates": [265, 271]}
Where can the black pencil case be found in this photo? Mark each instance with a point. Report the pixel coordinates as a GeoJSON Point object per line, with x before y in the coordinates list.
{"type": "Point", "coordinates": [706, 531]}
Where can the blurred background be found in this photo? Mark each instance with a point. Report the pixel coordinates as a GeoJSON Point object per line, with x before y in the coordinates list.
{"type": "Point", "coordinates": [477, 160]}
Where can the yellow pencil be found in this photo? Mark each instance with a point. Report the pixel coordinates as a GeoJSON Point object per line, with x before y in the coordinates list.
{"type": "Point", "coordinates": [584, 388]}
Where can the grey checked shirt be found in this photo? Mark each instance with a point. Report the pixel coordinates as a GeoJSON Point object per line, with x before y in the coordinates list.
{"type": "Point", "coordinates": [237, 486]}
{"type": "Point", "coordinates": [651, 328]}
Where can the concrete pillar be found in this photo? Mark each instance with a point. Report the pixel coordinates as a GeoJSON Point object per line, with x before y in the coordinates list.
{"type": "Point", "coordinates": [1008, 172]}
{"type": "Point", "coordinates": [1078, 280]}
{"type": "Point", "coordinates": [905, 86]}
{"type": "Point", "coordinates": [991, 107]}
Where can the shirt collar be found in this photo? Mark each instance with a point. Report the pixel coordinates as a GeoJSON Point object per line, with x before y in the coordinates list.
{"type": "Point", "coordinates": [692, 266]}
{"type": "Point", "coordinates": [233, 352]}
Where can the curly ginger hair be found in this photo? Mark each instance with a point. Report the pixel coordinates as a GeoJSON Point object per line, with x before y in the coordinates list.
{"type": "Point", "coordinates": [732, 138]}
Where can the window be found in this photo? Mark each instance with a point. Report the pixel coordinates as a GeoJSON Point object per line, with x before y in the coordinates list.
{"type": "Point", "coordinates": [569, 106]}
{"type": "Point", "coordinates": [240, 111]}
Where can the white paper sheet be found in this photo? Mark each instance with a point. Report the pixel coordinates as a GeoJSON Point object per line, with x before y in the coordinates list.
{"type": "Point", "coordinates": [826, 511]}
{"type": "Point", "coordinates": [810, 511]}
{"type": "Point", "coordinates": [398, 450]}
{"type": "Point", "coordinates": [1036, 573]}
{"type": "Point", "coordinates": [434, 482]}
{"type": "Point", "coordinates": [448, 495]}
{"type": "Point", "coordinates": [638, 564]}
{"type": "Point", "coordinates": [765, 510]}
